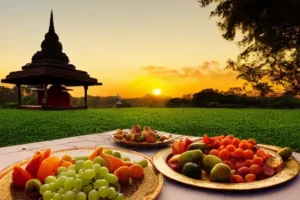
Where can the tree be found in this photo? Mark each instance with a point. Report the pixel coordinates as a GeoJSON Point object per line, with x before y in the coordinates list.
{"type": "Point", "coordinates": [271, 40]}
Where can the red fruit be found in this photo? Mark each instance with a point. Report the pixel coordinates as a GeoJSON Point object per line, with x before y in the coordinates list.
{"type": "Point", "coordinates": [175, 166]}
{"type": "Point", "coordinates": [181, 146]}
{"type": "Point", "coordinates": [207, 139]}
{"type": "Point", "coordinates": [243, 171]}
{"type": "Point", "coordinates": [47, 153]}
{"type": "Point", "coordinates": [150, 139]}
{"type": "Point", "coordinates": [20, 176]}
{"type": "Point", "coordinates": [175, 149]}
{"type": "Point", "coordinates": [34, 164]}
{"type": "Point", "coordinates": [187, 143]}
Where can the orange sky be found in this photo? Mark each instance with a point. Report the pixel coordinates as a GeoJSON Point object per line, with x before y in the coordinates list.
{"type": "Point", "coordinates": [131, 46]}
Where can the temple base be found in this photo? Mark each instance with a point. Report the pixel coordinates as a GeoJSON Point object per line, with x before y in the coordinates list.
{"type": "Point", "coordinates": [42, 107]}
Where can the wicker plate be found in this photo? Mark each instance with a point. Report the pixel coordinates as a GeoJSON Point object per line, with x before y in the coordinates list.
{"type": "Point", "coordinates": [145, 144]}
{"type": "Point", "coordinates": [148, 188]}
{"type": "Point", "coordinates": [290, 170]}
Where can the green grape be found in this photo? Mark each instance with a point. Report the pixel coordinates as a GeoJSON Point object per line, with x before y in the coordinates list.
{"type": "Point", "coordinates": [77, 176]}
{"type": "Point", "coordinates": [78, 183]}
{"type": "Point", "coordinates": [81, 172]}
{"type": "Point", "coordinates": [103, 171]}
{"type": "Point", "coordinates": [62, 174]}
{"type": "Point", "coordinates": [52, 187]}
{"type": "Point", "coordinates": [81, 158]}
{"type": "Point", "coordinates": [72, 167]}
{"type": "Point", "coordinates": [61, 169]}
{"type": "Point", "coordinates": [69, 184]}
{"type": "Point", "coordinates": [71, 173]}
{"type": "Point", "coordinates": [47, 195]}
{"type": "Point", "coordinates": [111, 178]}
{"type": "Point", "coordinates": [97, 168]}
{"type": "Point", "coordinates": [69, 195]}
{"type": "Point", "coordinates": [111, 193]}
{"type": "Point", "coordinates": [60, 182]}
{"type": "Point", "coordinates": [117, 186]}
{"type": "Point", "coordinates": [93, 195]}
{"type": "Point", "coordinates": [76, 190]}
{"type": "Point", "coordinates": [57, 197]}
{"type": "Point", "coordinates": [116, 154]}
{"type": "Point", "coordinates": [78, 165]}
{"type": "Point", "coordinates": [103, 191]}
{"type": "Point", "coordinates": [98, 160]}
{"type": "Point", "coordinates": [143, 163]}
{"type": "Point", "coordinates": [100, 183]}
{"type": "Point", "coordinates": [87, 189]}
{"type": "Point", "coordinates": [50, 179]}
{"type": "Point", "coordinates": [108, 152]}
{"type": "Point", "coordinates": [61, 191]}
{"type": "Point", "coordinates": [120, 196]}
{"type": "Point", "coordinates": [89, 174]}
{"type": "Point", "coordinates": [126, 159]}
{"type": "Point", "coordinates": [44, 188]}
{"type": "Point", "coordinates": [86, 181]}
{"type": "Point", "coordinates": [81, 196]}
{"type": "Point", "coordinates": [87, 164]}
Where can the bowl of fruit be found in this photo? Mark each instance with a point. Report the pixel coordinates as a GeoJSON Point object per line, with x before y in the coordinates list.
{"type": "Point", "coordinates": [82, 173]}
{"type": "Point", "coordinates": [146, 137]}
{"type": "Point", "coordinates": [226, 163]}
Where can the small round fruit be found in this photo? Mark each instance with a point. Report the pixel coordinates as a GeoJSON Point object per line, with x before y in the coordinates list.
{"type": "Point", "coordinates": [192, 170]}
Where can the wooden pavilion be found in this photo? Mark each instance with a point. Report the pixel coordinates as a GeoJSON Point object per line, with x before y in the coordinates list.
{"type": "Point", "coordinates": [51, 66]}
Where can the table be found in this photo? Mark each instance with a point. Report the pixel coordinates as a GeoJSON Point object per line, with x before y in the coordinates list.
{"type": "Point", "coordinates": [171, 189]}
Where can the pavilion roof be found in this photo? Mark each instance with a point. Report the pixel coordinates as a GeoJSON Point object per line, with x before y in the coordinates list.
{"type": "Point", "coordinates": [50, 66]}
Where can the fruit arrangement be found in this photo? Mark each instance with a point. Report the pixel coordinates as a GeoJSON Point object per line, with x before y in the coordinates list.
{"type": "Point", "coordinates": [225, 159]}
{"type": "Point", "coordinates": [136, 134]}
{"type": "Point", "coordinates": [100, 175]}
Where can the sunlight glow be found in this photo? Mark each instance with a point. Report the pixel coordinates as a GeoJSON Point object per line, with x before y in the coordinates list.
{"type": "Point", "coordinates": [157, 91]}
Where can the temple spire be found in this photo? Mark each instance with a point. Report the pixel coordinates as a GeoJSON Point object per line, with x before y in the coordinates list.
{"type": "Point", "coordinates": [51, 27]}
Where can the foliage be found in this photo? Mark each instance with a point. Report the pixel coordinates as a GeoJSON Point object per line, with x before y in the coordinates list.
{"type": "Point", "coordinates": [178, 102]}
{"type": "Point", "coordinates": [233, 98]}
{"type": "Point", "coordinates": [270, 44]}
{"type": "Point", "coordinates": [275, 127]}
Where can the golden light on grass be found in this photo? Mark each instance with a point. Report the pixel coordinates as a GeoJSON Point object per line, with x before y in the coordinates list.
{"type": "Point", "coordinates": [157, 91]}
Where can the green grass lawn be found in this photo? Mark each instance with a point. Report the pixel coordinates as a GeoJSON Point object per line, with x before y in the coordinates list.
{"type": "Point", "coordinates": [276, 127]}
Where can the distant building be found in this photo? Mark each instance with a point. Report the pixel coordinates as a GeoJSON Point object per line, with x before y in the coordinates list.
{"type": "Point", "coordinates": [119, 103]}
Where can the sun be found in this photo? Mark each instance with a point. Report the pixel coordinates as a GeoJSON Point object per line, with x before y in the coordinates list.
{"type": "Point", "coordinates": [157, 91]}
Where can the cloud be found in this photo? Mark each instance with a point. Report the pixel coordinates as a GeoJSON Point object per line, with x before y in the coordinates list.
{"type": "Point", "coordinates": [210, 69]}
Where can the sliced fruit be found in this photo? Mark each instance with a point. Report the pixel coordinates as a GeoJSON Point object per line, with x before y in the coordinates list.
{"type": "Point", "coordinates": [34, 164]}
{"type": "Point", "coordinates": [175, 149]}
{"type": "Point", "coordinates": [20, 176]}
{"type": "Point", "coordinates": [65, 164]}
{"type": "Point", "coordinates": [174, 158]}
{"type": "Point", "coordinates": [95, 153]}
{"type": "Point", "coordinates": [136, 171]}
{"type": "Point", "coordinates": [47, 153]}
{"type": "Point", "coordinates": [128, 163]}
{"type": "Point", "coordinates": [150, 139]}
{"type": "Point", "coordinates": [107, 163]}
{"type": "Point", "coordinates": [48, 168]}
{"type": "Point", "coordinates": [116, 162]}
{"type": "Point", "coordinates": [123, 174]}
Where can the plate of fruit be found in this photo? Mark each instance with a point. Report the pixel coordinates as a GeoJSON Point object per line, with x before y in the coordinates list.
{"type": "Point", "coordinates": [226, 163]}
{"type": "Point", "coordinates": [146, 137]}
{"type": "Point", "coordinates": [81, 174]}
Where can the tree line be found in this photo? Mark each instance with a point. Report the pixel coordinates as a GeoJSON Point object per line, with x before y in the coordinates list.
{"type": "Point", "coordinates": [235, 97]}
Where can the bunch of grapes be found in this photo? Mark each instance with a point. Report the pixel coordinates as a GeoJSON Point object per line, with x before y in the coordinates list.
{"type": "Point", "coordinates": [81, 181]}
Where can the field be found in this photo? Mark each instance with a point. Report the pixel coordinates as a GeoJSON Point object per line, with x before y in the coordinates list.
{"type": "Point", "coordinates": [276, 127]}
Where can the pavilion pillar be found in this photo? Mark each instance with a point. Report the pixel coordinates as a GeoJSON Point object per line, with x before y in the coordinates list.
{"type": "Point", "coordinates": [19, 94]}
{"type": "Point", "coordinates": [45, 94]}
{"type": "Point", "coordinates": [85, 95]}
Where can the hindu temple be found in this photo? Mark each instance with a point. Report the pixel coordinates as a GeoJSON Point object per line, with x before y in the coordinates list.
{"type": "Point", "coordinates": [51, 69]}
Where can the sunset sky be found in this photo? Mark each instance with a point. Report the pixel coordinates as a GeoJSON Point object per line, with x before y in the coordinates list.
{"type": "Point", "coordinates": [131, 46]}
